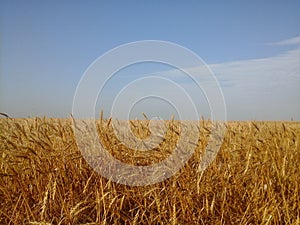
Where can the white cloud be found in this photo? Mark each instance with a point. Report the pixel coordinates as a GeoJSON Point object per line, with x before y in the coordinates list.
{"type": "Point", "coordinates": [280, 70]}
{"type": "Point", "coordinates": [267, 88]}
{"type": "Point", "coordinates": [291, 41]}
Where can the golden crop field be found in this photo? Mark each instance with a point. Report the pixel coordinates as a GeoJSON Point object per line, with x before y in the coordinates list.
{"type": "Point", "coordinates": [254, 178]}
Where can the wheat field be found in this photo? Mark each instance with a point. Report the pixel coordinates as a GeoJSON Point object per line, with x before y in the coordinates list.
{"type": "Point", "coordinates": [254, 178]}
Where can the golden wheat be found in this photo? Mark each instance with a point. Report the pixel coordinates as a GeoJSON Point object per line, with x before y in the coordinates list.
{"type": "Point", "coordinates": [45, 180]}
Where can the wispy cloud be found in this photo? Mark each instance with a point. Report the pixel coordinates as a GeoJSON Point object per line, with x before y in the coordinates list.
{"type": "Point", "coordinates": [266, 73]}
{"type": "Point", "coordinates": [291, 41]}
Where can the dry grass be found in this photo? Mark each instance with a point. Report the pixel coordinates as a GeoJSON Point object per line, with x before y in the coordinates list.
{"type": "Point", "coordinates": [45, 180]}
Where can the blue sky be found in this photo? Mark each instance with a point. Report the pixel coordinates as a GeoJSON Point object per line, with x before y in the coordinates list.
{"type": "Point", "coordinates": [252, 47]}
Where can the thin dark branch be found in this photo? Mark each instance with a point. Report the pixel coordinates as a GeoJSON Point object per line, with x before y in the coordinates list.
{"type": "Point", "coordinates": [4, 114]}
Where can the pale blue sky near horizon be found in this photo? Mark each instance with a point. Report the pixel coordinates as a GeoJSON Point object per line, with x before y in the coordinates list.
{"type": "Point", "coordinates": [252, 47]}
